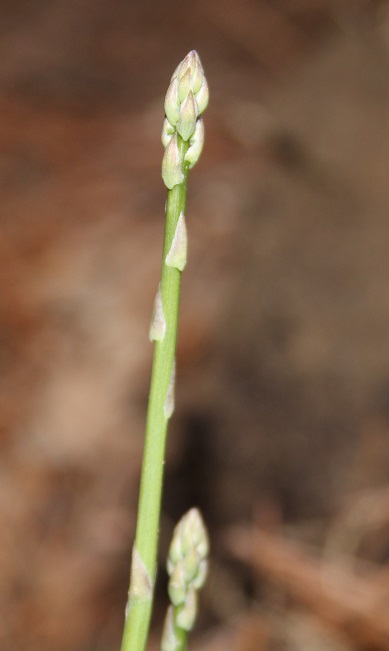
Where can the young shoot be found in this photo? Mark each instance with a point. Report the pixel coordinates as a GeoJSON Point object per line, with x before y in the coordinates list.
{"type": "Point", "coordinates": [183, 139]}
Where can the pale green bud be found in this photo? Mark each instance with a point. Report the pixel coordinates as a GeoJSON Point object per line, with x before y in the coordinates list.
{"type": "Point", "coordinates": [187, 78]}
{"type": "Point", "coordinates": [200, 535]}
{"type": "Point", "coordinates": [202, 97]}
{"type": "Point", "coordinates": [193, 533]}
{"type": "Point", "coordinates": [168, 407]}
{"type": "Point", "coordinates": [172, 105]}
{"type": "Point", "coordinates": [172, 164]}
{"type": "Point", "coordinates": [141, 587]}
{"type": "Point", "coordinates": [186, 615]}
{"type": "Point", "coordinates": [202, 542]}
{"type": "Point", "coordinates": [192, 528]}
{"type": "Point", "coordinates": [197, 81]}
{"type": "Point", "coordinates": [179, 539]}
{"type": "Point", "coordinates": [197, 72]}
{"type": "Point", "coordinates": [183, 66]}
{"type": "Point", "coordinates": [175, 552]}
{"type": "Point", "coordinates": [158, 323]}
{"type": "Point", "coordinates": [179, 247]}
{"type": "Point", "coordinates": [196, 144]}
{"type": "Point", "coordinates": [192, 64]}
{"type": "Point", "coordinates": [184, 86]}
{"type": "Point", "coordinates": [189, 549]}
{"type": "Point", "coordinates": [167, 132]}
{"type": "Point", "coordinates": [186, 124]}
{"type": "Point", "coordinates": [169, 641]}
{"type": "Point", "coordinates": [187, 567]}
{"type": "Point", "coordinates": [170, 564]}
{"type": "Point", "coordinates": [201, 575]}
{"type": "Point", "coordinates": [191, 564]}
{"type": "Point", "coordinates": [177, 587]}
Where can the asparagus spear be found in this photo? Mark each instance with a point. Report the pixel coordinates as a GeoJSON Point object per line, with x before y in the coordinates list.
{"type": "Point", "coordinates": [187, 567]}
{"type": "Point", "coordinates": [183, 138]}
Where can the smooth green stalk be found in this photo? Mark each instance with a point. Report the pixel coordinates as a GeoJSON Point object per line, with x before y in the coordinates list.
{"type": "Point", "coordinates": [182, 136]}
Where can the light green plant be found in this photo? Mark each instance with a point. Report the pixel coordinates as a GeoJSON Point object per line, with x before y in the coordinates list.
{"type": "Point", "coordinates": [183, 138]}
{"type": "Point", "coordinates": [187, 568]}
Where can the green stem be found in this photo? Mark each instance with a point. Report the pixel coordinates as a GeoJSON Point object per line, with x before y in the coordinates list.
{"type": "Point", "coordinates": [146, 541]}
{"type": "Point", "coordinates": [181, 636]}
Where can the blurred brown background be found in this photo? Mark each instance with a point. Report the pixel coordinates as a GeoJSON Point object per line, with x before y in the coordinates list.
{"type": "Point", "coordinates": [282, 419]}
